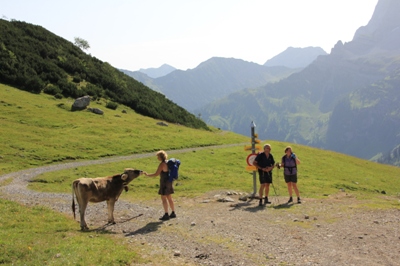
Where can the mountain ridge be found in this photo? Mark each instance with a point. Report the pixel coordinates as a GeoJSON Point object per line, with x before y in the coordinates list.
{"type": "Point", "coordinates": [296, 57]}
{"type": "Point", "coordinates": [212, 79]}
{"type": "Point", "coordinates": [307, 107]}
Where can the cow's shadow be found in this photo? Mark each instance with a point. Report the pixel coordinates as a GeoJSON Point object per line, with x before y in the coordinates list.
{"type": "Point", "coordinates": [103, 228]}
{"type": "Point", "coordinates": [148, 228]}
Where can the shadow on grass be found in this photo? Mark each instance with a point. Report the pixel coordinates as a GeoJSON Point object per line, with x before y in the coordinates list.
{"type": "Point", "coordinates": [148, 228]}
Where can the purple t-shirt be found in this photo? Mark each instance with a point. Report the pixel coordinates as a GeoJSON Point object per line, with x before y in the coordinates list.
{"type": "Point", "coordinates": [290, 165]}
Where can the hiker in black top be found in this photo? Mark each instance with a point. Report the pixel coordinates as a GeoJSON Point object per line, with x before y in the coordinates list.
{"type": "Point", "coordinates": [289, 163]}
{"type": "Point", "coordinates": [166, 189]}
{"type": "Point", "coordinates": [264, 162]}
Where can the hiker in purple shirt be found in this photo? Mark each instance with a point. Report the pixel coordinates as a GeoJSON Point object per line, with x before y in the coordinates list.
{"type": "Point", "coordinates": [289, 163]}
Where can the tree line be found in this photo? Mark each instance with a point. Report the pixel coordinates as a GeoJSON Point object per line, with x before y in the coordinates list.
{"type": "Point", "coordinates": [36, 60]}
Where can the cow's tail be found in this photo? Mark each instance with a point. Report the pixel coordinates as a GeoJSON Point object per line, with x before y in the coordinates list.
{"type": "Point", "coordinates": [73, 199]}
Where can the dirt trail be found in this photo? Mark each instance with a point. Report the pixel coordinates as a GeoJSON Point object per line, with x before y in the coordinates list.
{"type": "Point", "coordinates": [207, 231]}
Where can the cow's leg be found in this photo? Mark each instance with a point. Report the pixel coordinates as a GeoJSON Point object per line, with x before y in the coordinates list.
{"type": "Point", "coordinates": [83, 202]}
{"type": "Point", "coordinates": [82, 209]}
{"type": "Point", "coordinates": [110, 207]}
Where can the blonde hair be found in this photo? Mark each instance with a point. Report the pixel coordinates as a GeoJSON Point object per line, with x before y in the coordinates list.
{"type": "Point", "coordinates": [162, 154]}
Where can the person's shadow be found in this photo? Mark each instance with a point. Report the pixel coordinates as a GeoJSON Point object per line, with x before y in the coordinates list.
{"type": "Point", "coordinates": [148, 228]}
{"type": "Point", "coordinates": [283, 206]}
{"type": "Point", "coordinates": [248, 206]}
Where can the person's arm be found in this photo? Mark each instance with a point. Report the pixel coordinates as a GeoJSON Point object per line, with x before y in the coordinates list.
{"type": "Point", "coordinates": [273, 164]}
{"type": "Point", "coordinates": [158, 172]}
{"type": "Point", "coordinates": [282, 163]}
{"type": "Point", "coordinates": [258, 167]}
{"type": "Point", "coordinates": [256, 164]}
{"type": "Point", "coordinates": [297, 160]}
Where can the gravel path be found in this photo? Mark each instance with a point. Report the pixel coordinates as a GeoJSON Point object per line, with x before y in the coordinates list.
{"type": "Point", "coordinates": [213, 230]}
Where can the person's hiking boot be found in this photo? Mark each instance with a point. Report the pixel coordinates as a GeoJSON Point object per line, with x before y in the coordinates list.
{"type": "Point", "coordinates": [298, 200]}
{"type": "Point", "coordinates": [290, 200]}
{"type": "Point", "coordinates": [172, 215]}
{"type": "Point", "coordinates": [260, 202]}
{"type": "Point", "coordinates": [266, 201]}
{"type": "Point", "coordinates": [165, 217]}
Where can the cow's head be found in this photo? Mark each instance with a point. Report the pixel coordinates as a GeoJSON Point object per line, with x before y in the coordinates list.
{"type": "Point", "coordinates": [130, 174]}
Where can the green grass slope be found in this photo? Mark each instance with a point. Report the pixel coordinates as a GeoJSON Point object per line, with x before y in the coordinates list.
{"type": "Point", "coordinates": [38, 129]}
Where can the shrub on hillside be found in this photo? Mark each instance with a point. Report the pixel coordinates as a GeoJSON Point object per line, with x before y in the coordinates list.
{"type": "Point", "coordinates": [52, 90]}
{"type": "Point", "coordinates": [76, 79]}
{"type": "Point", "coordinates": [34, 84]}
{"type": "Point", "coordinates": [112, 105]}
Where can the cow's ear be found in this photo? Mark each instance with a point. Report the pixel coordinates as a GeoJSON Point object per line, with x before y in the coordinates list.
{"type": "Point", "coordinates": [124, 176]}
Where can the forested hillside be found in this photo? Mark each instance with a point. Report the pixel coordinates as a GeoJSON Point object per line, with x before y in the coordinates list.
{"type": "Point", "coordinates": [36, 60]}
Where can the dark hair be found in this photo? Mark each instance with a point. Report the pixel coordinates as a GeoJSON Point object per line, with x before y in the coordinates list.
{"type": "Point", "coordinates": [287, 148]}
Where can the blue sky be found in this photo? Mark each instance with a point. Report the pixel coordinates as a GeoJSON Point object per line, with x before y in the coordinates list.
{"type": "Point", "coordinates": [134, 34]}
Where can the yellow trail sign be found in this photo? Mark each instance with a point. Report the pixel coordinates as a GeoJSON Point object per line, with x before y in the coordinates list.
{"type": "Point", "coordinates": [251, 168]}
{"type": "Point", "coordinates": [248, 148]}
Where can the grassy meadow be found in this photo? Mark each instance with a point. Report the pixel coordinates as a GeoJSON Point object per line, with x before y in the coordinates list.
{"type": "Point", "coordinates": [39, 130]}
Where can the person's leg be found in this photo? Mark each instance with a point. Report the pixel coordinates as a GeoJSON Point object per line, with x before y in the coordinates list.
{"type": "Point", "coordinates": [261, 190]}
{"type": "Point", "coordinates": [164, 203]}
{"type": "Point", "coordinates": [170, 202]}
{"type": "Point", "coordinates": [260, 193]}
{"type": "Point", "coordinates": [289, 186]}
{"type": "Point", "coordinates": [267, 189]}
{"type": "Point", "coordinates": [267, 193]}
{"type": "Point", "coordinates": [165, 206]}
{"type": "Point", "coordinates": [296, 190]}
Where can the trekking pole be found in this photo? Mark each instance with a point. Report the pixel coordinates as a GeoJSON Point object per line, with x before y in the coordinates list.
{"type": "Point", "coordinates": [277, 176]}
{"type": "Point", "coordinates": [276, 196]}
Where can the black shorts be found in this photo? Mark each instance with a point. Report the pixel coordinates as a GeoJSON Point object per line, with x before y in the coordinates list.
{"type": "Point", "coordinates": [291, 178]}
{"type": "Point", "coordinates": [166, 187]}
{"type": "Point", "coordinates": [265, 177]}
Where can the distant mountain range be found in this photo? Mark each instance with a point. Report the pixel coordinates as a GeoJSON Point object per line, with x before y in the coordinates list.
{"type": "Point", "coordinates": [296, 57]}
{"type": "Point", "coordinates": [346, 101]}
{"type": "Point", "coordinates": [219, 77]}
{"type": "Point", "coordinates": [163, 70]}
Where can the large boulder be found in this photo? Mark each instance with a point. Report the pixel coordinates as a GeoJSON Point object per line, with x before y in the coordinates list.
{"type": "Point", "coordinates": [81, 103]}
{"type": "Point", "coordinates": [96, 111]}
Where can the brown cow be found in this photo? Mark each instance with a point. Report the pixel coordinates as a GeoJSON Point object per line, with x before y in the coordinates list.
{"type": "Point", "coordinates": [101, 189]}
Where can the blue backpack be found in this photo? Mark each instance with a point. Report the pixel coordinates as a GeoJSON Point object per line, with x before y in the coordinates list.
{"type": "Point", "coordinates": [173, 168]}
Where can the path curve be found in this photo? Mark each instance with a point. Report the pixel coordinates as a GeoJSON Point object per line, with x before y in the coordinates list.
{"type": "Point", "coordinates": [207, 232]}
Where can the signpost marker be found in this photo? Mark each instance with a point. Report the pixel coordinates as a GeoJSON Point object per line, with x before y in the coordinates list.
{"type": "Point", "coordinates": [253, 151]}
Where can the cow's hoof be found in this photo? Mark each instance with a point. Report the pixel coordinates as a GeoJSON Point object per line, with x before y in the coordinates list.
{"type": "Point", "coordinates": [84, 228]}
{"type": "Point", "coordinates": [111, 222]}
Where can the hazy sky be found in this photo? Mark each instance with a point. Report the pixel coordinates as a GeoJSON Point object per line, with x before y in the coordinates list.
{"type": "Point", "coordinates": [134, 34]}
